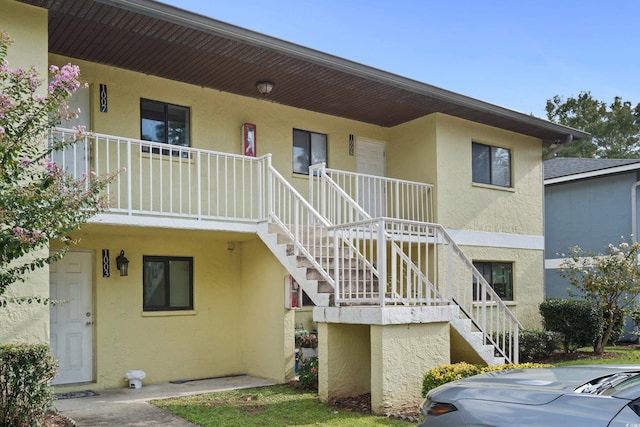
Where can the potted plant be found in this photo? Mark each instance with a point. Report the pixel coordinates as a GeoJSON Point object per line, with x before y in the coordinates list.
{"type": "Point", "coordinates": [309, 346]}
{"type": "Point", "coordinates": [300, 334]}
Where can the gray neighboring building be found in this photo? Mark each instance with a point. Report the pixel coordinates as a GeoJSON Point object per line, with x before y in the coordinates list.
{"type": "Point", "coordinates": [589, 203]}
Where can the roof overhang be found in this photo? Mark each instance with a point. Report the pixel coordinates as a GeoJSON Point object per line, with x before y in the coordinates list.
{"type": "Point", "coordinates": [593, 174]}
{"type": "Point", "coordinates": [161, 40]}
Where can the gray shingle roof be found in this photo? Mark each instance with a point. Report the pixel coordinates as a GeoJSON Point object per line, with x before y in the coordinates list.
{"type": "Point", "coordinates": [565, 166]}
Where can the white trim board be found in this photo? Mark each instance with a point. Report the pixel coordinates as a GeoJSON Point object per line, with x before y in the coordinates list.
{"type": "Point", "coordinates": [497, 240]}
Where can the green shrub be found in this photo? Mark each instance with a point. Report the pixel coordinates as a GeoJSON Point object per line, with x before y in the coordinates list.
{"type": "Point", "coordinates": [537, 344]}
{"type": "Point", "coordinates": [308, 374]}
{"type": "Point", "coordinates": [436, 377]}
{"type": "Point", "coordinates": [25, 393]}
{"type": "Point", "coordinates": [533, 344]}
{"type": "Point", "coordinates": [579, 322]}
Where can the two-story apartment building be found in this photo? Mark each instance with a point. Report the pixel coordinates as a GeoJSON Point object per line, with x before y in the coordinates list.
{"type": "Point", "coordinates": [412, 216]}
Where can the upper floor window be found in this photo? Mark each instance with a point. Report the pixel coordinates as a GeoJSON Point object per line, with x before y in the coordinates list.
{"type": "Point", "coordinates": [500, 277]}
{"type": "Point", "coordinates": [491, 165]}
{"type": "Point", "coordinates": [167, 283]}
{"type": "Point", "coordinates": [309, 148]}
{"type": "Point", "coordinates": [166, 123]}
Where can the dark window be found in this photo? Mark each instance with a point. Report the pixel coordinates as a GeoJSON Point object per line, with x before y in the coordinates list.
{"type": "Point", "coordinates": [309, 148]}
{"type": "Point", "coordinates": [491, 165]}
{"type": "Point", "coordinates": [167, 282]}
{"type": "Point", "coordinates": [165, 123]}
{"type": "Point", "coordinates": [500, 277]}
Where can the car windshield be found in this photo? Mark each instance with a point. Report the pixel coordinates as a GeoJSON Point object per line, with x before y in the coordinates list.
{"type": "Point", "coordinates": [610, 384]}
{"type": "Point", "coordinates": [631, 381]}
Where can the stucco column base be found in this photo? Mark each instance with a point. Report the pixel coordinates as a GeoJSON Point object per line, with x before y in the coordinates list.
{"type": "Point", "coordinates": [386, 358]}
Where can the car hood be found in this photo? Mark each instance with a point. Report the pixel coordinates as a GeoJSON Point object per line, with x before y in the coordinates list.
{"type": "Point", "coordinates": [524, 386]}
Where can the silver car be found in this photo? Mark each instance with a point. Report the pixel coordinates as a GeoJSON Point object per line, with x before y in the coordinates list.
{"type": "Point", "coordinates": [584, 396]}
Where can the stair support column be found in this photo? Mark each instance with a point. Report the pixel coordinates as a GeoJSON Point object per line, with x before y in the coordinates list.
{"type": "Point", "coordinates": [384, 351]}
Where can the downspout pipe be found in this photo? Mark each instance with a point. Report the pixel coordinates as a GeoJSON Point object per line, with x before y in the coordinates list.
{"type": "Point", "coordinates": [634, 211]}
{"type": "Point", "coordinates": [558, 147]}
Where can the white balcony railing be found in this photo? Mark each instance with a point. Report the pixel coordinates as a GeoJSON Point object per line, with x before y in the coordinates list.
{"type": "Point", "coordinates": [170, 181]}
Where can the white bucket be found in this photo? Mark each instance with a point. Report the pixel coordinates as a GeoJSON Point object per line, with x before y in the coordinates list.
{"type": "Point", "coordinates": [135, 378]}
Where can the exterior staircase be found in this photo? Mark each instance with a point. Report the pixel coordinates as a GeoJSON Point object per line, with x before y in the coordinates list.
{"type": "Point", "coordinates": [375, 254]}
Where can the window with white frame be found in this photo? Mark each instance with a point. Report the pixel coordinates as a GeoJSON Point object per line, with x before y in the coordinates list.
{"type": "Point", "coordinates": [309, 148]}
{"type": "Point", "coordinates": [491, 165]}
{"type": "Point", "coordinates": [499, 275]}
{"type": "Point", "coordinates": [165, 123]}
{"type": "Point", "coordinates": [167, 283]}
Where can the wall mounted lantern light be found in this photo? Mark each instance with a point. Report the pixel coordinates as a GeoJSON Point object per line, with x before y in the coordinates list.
{"type": "Point", "coordinates": [265, 87]}
{"type": "Point", "coordinates": [123, 264]}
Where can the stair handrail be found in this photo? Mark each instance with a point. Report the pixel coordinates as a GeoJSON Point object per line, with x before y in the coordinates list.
{"type": "Point", "coordinates": [403, 202]}
{"type": "Point", "coordinates": [354, 211]}
{"type": "Point", "coordinates": [503, 342]}
{"type": "Point", "coordinates": [301, 210]}
{"type": "Point", "coordinates": [506, 341]}
{"type": "Point", "coordinates": [354, 214]}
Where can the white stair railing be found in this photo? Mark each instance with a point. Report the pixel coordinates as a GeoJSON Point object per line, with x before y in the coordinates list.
{"type": "Point", "coordinates": [377, 195]}
{"type": "Point", "coordinates": [409, 266]}
{"type": "Point", "coordinates": [305, 227]}
{"type": "Point", "coordinates": [420, 264]}
{"type": "Point", "coordinates": [338, 207]}
{"type": "Point", "coordinates": [462, 283]}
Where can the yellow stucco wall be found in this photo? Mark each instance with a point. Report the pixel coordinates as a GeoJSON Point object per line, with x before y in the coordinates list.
{"type": "Point", "coordinates": [236, 327]}
{"type": "Point", "coordinates": [217, 117]}
{"type": "Point", "coordinates": [411, 154]}
{"type": "Point", "coordinates": [437, 149]}
{"type": "Point", "coordinates": [465, 205]}
{"type": "Point", "coordinates": [344, 360]}
{"type": "Point", "coordinates": [268, 337]}
{"type": "Point", "coordinates": [406, 353]}
{"type": "Point", "coordinates": [27, 26]}
{"type": "Point", "coordinates": [528, 277]}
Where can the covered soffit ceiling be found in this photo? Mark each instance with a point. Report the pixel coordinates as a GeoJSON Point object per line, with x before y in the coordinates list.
{"type": "Point", "coordinates": [164, 41]}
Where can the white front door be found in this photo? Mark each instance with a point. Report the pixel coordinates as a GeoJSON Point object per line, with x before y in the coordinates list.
{"type": "Point", "coordinates": [75, 158]}
{"type": "Point", "coordinates": [72, 317]}
{"type": "Point", "coordinates": [371, 161]}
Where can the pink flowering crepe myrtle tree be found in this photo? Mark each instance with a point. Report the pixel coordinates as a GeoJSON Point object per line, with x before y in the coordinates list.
{"type": "Point", "coordinates": [39, 202]}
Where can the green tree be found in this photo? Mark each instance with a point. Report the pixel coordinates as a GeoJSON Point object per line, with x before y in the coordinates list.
{"type": "Point", "coordinates": [611, 281]}
{"type": "Point", "coordinates": [615, 128]}
{"type": "Point", "coordinates": [39, 202]}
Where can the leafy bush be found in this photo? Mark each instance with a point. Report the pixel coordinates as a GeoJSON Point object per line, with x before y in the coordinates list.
{"type": "Point", "coordinates": [578, 321]}
{"type": "Point", "coordinates": [533, 344]}
{"type": "Point", "coordinates": [536, 344]}
{"type": "Point", "coordinates": [25, 393]}
{"type": "Point", "coordinates": [436, 377]}
{"type": "Point", "coordinates": [308, 374]}
{"type": "Point", "coordinates": [446, 373]}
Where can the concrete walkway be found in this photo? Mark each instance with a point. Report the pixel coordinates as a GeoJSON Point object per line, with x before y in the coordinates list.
{"type": "Point", "coordinates": [130, 407]}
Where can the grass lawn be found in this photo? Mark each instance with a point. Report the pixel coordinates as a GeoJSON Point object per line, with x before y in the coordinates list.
{"type": "Point", "coordinates": [282, 405]}
{"type": "Point", "coordinates": [279, 405]}
{"type": "Point", "coordinates": [619, 355]}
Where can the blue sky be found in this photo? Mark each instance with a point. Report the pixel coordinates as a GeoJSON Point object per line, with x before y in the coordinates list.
{"type": "Point", "coordinates": [510, 53]}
